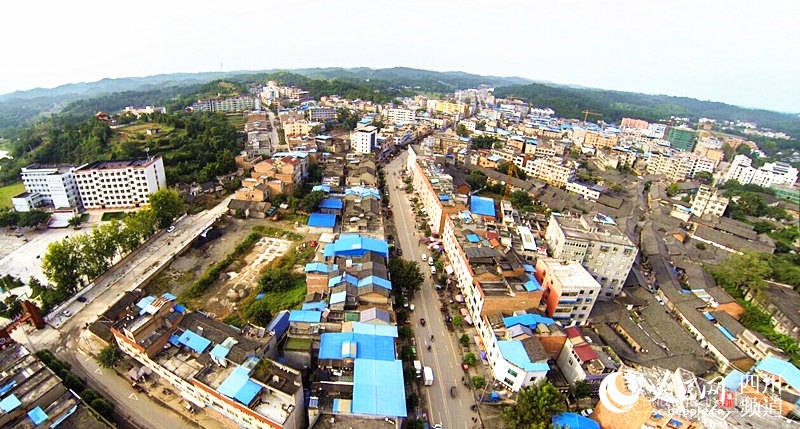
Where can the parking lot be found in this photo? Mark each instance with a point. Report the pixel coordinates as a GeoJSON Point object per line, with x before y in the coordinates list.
{"type": "Point", "coordinates": [25, 261]}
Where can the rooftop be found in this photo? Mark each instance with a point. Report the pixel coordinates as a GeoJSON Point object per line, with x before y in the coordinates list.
{"type": "Point", "coordinates": [119, 164]}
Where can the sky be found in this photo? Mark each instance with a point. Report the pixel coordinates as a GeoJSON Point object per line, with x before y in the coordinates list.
{"type": "Point", "coordinates": [740, 52]}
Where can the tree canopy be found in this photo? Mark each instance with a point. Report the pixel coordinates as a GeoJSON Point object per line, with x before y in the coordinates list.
{"type": "Point", "coordinates": [166, 205]}
{"type": "Point", "coordinates": [534, 408]}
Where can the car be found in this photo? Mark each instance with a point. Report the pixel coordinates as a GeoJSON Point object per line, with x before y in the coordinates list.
{"type": "Point", "coordinates": [422, 321]}
{"type": "Point", "coordinates": [411, 307]}
{"type": "Point", "coordinates": [399, 252]}
{"type": "Point", "coordinates": [424, 257]}
{"type": "Point", "coordinates": [171, 228]}
{"type": "Point", "coordinates": [453, 391]}
{"type": "Point", "coordinates": [66, 313]}
{"type": "Point", "coordinates": [437, 426]}
{"type": "Point", "coordinates": [430, 261]}
{"type": "Point", "coordinates": [81, 299]}
{"type": "Point", "coordinates": [433, 270]}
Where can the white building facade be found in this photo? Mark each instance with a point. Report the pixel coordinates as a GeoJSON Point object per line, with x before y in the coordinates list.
{"type": "Point", "coordinates": [55, 184]}
{"type": "Point", "coordinates": [364, 139]}
{"type": "Point", "coordinates": [110, 184]}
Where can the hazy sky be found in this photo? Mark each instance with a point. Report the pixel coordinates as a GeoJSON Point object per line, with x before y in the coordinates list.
{"type": "Point", "coordinates": [740, 52]}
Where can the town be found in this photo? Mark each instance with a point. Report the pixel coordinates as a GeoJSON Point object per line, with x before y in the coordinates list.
{"type": "Point", "coordinates": [464, 259]}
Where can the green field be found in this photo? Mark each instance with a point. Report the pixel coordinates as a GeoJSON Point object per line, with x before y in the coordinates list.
{"type": "Point", "coordinates": [7, 192]}
{"type": "Point", "coordinates": [109, 216]}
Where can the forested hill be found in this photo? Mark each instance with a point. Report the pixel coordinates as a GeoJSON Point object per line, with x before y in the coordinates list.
{"type": "Point", "coordinates": [614, 105]}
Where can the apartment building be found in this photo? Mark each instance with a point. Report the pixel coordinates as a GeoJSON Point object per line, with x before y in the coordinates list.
{"type": "Point", "coordinates": [33, 396]}
{"type": "Point", "coordinates": [603, 249]}
{"type": "Point", "coordinates": [363, 140]}
{"type": "Point", "coordinates": [581, 360]}
{"type": "Point", "coordinates": [638, 124]}
{"type": "Point", "coordinates": [300, 127]}
{"type": "Point", "coordinates": [570, 292]}
{"type": "Point", "coordinates": [399, 116]}
{"type": "Point", "coordinates": [117, 184]}
{"type": "Point", "coordinates": [226, 371]}
{"type": "Point", "coordinates": [48, 185]}
{"type": "Point", "coordinates": [448, 107]}
{"type": "Point", "coordinates": [709, 200]}
{"type": "Point", "coordinates": [590, 192]}
{"type": "Point", "coordinates": [682, 139]}
{"type": "Point", "coordinates": [599, 139]}
{"type": "Point", "coordinates": [146, 110]}
{"type": "Point", "coordinates": [769, 174]}
{"type": "Point", "coordinates": [230, 104]}
{"type": "Point", "coordinates": [679, 166]}
{"type": "Point", "coordinates": [322, 114]}
{"type": "Point", "coordinates": [554, 171]}
{"type": "Point", "coordinates": [282, 173]}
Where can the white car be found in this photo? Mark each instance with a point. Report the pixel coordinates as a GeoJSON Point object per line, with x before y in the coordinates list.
{"type": "Point", "coordinates": [171, 228]}
{"type": "Point", "coordinates": [424, 257]}
{"type": "Point", "coordinates": [433, 270]}
{"type": "Point", "coordinates": [411, 307]}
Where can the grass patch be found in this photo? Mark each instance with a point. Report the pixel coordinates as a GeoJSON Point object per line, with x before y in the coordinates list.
{"type": "Point", "coordinates": [109, 216]}
{"type": "Point", "coordinates": [298, 344]}
{"type": "Point", "coordinates": [236, 120]}
{"type": "Point", "coordinates": [9, 191]}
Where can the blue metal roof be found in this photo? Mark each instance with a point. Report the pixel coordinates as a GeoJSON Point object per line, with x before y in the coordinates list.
{"type": "Point", "coordinates": [10, 385]}
{"type": "Point", "coordinates": [9, 403]}
{"type": "Point", "coordinates": [305, 316]}
{"type": "Point", "coordinates": [338, 297]}
{"type": "Point", "coordinates": [528, 319]}
{"type": "Point", "coordinates": [37, 416]}
{"type": "Point", "coordinates": [194, 341]}
{"type": "Point", "coordinates": [320, 267]}
{"type": "Point", "coordinates": [238, 386]}
{"type": "Point", "coordinates": [363, 192]}
{"type": "Point", "coordinates": [375, 329]}
{"type": "Point", "coordinates": [179, 308]}
{"type": "Point", "coordinates": [573, 421]}
{"type": "Point", "coordinates": [784, 369]}
{"type": "Point", "coordinates": [322, 220]}
{"type": "Point", "coordinates": [144, 302]}
{"type": "Point", "coordinates": [481, 206]}
{"type": "Point", "coordinates": [473, 238]}
{"type": "Point", "coordinates": [514, 352]}
{"type": "Point", "coordinates": [220, 352]}
{"type": "Point", "coordinates": [343, 278]}
{"type": "Point", "coordinates": [726, 333]}
{"type": "Point", "coordinates": [377, 347]}
{"type": "Point", "coordinates": [280, 323]}
{"type": "Point", "coordinates": [444, 197]}
{"type": "Point", "coordinates": [315, 306]}
{"type": "Point", "coordinates": [733, 380]}
{"type": "Point", "coordinates": [378, 388]}
{"type": "Point", "coordinates": [173, 339]}
{"type": "Point", "coordinates": [494, 158]}
{"type": "Point", "coordinates": [323, 188]}
{"type": "Point", "coordinates": [532, 284]}
{"type": "Point", "coordinates": [529, 268]}
{"type": "Point", "coordinates": [356, 245]}
{"type": "Point", "coordinates": [370, 280]}
{"type": "Point", "coordinates": [169, 296]}
{"type": "Point", "coordinates": [331, 203]}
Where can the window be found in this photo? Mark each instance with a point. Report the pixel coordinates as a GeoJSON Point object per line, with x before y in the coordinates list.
{"type": "Point", "coordinates": [512, 373]}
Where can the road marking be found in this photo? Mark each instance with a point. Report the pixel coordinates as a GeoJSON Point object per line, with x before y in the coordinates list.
{"type": "Point", "coordinates": [133, 396]}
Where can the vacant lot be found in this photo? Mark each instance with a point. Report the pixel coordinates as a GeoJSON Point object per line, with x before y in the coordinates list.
{"type": "Point", "coordinates": [9, 191]}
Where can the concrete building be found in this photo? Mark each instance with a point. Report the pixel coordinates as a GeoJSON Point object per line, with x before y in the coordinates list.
{"type": "Point", "coordinates": [54, 185]}
{"type": "Point", "coordinates": [322, 114]}
{"type": "Point", "coordinates": [230, 104]}
{"type": "Point", "coordinates": [601, 247]}
{"type": "Point", "coordinates": [709, 200]}
{"type": "Point", "coordinates": [570, 292]}
{"type": "Point", "coordinates": [581, 360]}
{"type": "Point", "coordinates": [551, 170]}
{"type": "Point", "coordinates": [679, 166]}
{"type": "Point", "coordinates": [364, 140]}
{"type": "Point", "coordinates": [638, 124]}
{"type": "Point", "coordinates": [399, 116]}
{"type": "Point", "coordinates": [769, 174]}
{"type": "Point", "coordinates": [225, 371]}
{"type": "Point", "coordinates": [682, 139]}
{"type": "Point", "coordinates": [129, 183]}
{"type": "Point", "coordinates": [590, 192]}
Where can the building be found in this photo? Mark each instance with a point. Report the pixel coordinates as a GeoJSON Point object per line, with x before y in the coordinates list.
{"type": "Point", "coordinates": [364, 140]}
{"type": "Point", "coordinates": [581, 360]}
{"type": "Point", "coordinates": [769, 174]}
{"type": "Point", "coordinates": [599, 245]}
{"type": "Point", "coordinates": [112, 184]}
{"type": "Point", "coordinates": [551, 170]}
{"type": "Point", "coordinates": [599, 140]}
{"type": "Point", "coordinates": [709, 200]}
{"type": "Point", "coordinates": [679, 166]}
{"type": "Point", "coordinates": [323, 114]}
{"type": "Point", "coordinates": [229, 104]}
{"type": "Point", "coordinates": [225, 371]}
{"type": "Point", "coordinates": [48, 185]}
{"type": "Point", "coordinates": [590, 192]}
{"type": "Point", "coordinates": [682, 139]}
{"type": "Point", "coordinates": [146, 110]}
{"type": "Point", "coordinates": [399, 116]}
{"type": "Point", "coordinates": [301, 127]}
{"type": "Point", "coordinates": [282, 173]}
{"type": "Point", "coordinates": [33, 396]}
{"type": "Point", "coordinates": [638, 124]}
{"type": "Point", "coordinates": [569, 290]}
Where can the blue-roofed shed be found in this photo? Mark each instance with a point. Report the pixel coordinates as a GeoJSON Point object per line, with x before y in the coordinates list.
{"type": "Point", "coordinates": [37, 416]}
{"type": "Point", "coordinates": [304, 316]}
{"type": "Point", "coordinates": [322, 220]}
{"type": "Point", "coordinates": [315, 306]}
{"type": "Point", "coordinates": [529, 268]}
{"type": "Point", "coordinates": [473, 238]}
{"type": "Point", "coordinates": [573, 421]}
{"type": "Point", "coordinates": [514, 352]}
{"type": "Point", "coordinates": [280, 323]}
{"type": "Point", "coordinates": [194, 341]}
{"type": "Point", "coordinates": [339, 345]}
{"type": "Point", "coordinates": [239, 386]}
{"type": "Point", "coordinates": [331, 203]}
{"type": "Point", "coordinates": [323, 188]}
{"type": "Point", "coordinates": [528, 319]}
{"type": "Point", "coordinates": [9, 403]}
{"type": "Point", "coordinates": [378, 388]}
{"type": "Point", "coordinates": [356, 245]}
{"type": "Point", "coordinates": [784, 369]}
{"type": "Point", "coordinates": [375, 280]}
{"type": "Point", "coordinates": [375, 329]}
{"type": "Point", "coordinates": [144, 302]}
{"type": "Point", "coordinates": [481, 206]}
{"type": "Point", "coordinates": [444, 197]}
{"type": "Point", "coordinates": [320, 267]}
{"type": "Point", "coordinates": [532, 284]}
{"type": "Point", "coordinates": [338, 297]}
{"type": "Point", "coordinates": [343, 278]}
{"type": "Point", "coordinates": [220, 352]}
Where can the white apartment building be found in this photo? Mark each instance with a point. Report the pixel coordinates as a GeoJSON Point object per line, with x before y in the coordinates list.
{"type": "Point", "coordinates": [679, 166]}
{"type": "Point", "coordinates": [363, 140]}
{"type": "Point", "coordinates": [230, 104]}
{"type": "Point", "coordinates": [550, 170]}
{"type": "Point", "coordinates": [322, 113]}
{"type": "Point", "coordinates": [129, 183]}
{"type": "Point", "coordinates": [771, 173]}
{"type": "Point", "coordinates": [399, 116]}
{"type": "Point", "coordinates": [709, 201]}
{"type": "Point", "coordinates": [590, 192]}
{"type": "Point", "coordinates": [602, 248]}
{"type": "Point", "coordinates": [55, 186]}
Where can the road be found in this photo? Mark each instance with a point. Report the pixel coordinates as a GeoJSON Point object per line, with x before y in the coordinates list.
{"type": "Point", "coordinates": [445, 357]}
{"type": "Point", "coordinates": [63, 336]}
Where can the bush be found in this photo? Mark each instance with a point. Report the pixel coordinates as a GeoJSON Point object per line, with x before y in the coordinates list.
{"type": "Point", "coordinates": [478, 382]}
{"type": "Point", "coordinates": [701, 246]}
{"type": "Point", "coordinates": [103, 407]}
{"type": "Point", "coordinates": [464, 340]}
{"type": "Point", "coordinates": [470, 359]}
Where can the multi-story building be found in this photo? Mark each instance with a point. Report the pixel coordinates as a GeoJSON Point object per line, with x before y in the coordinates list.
{"type": "Point", "coordinates": [399, 116]}
{"type": "Point", "coordinates": [638, 124]}
{"type": "Point", "coordinates": [322, 114]}
{"type": "Point", "coordinates": [679, 166]}
{"type": "Point", "coordinates": [129, 183]}
{"type": "Point", "coordinates": [49, 185]}
{"type": "Point", "coordinates": [146, 110]}
{"type": "Point", "coordinates": [363, 140]}
{"type": "Point", "coordinates": [447, 107]}
{"type": "Point", "coordinates": [603, 249]}
{"type": "Point", "coordinates": [282, 173]}
{"type": "Point", "coordinates": [590, 192]}
{"type": "Point", "coordinates": [226, 371]}
{"type": "Point", "coordinates": [709, 201]}
{"type": "Point", "coordinates": [598, 139]}
{"type": "Point", "coordinates": [682, 139]}
{"type": "Point", "coordinates": [294, 128]}
{"type": "Point", "coordinates": [551, 170]}
{"type": "Point", "coordinates": [771, 173]}
{"type": "Point", "coordinates": [582, 360]}
{"type": "Point", "coordinates": [570, 292]}
{"type": "Point", "coordinates": [656, 131]}
{"type": "Point", "coordinates": [230, 104]}
{"type": "Point", "coordinates": [33, 396]}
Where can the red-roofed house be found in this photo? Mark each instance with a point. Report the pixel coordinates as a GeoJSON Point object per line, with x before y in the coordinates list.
{"type": "Point", "coordinates": [582, 360]}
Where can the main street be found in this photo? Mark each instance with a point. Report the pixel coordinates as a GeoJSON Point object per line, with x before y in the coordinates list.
{"type": "Point", "coordinates": [107, 289]}
{"type": "Point", "coordinates": [445, 357]}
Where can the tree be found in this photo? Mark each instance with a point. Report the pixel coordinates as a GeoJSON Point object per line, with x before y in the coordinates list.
{"type": "Point", "coordinates": [412, 401]}
{"type": "Point", "coordinates": [405, 273]}
{"type": "Point", "coordinates": [464, 340]}
{"type": "Point", "coordinates": [742, 273]}
{"type": "Point", "coordinates": [470, 359]}
{"type": "Point", "coordinates": [276, 280]}
{"type": "Point", "coordinates": [511, 169]}
{"type": "Point", "coordinates": [109, 356]}
{"type": "Point", "coordinates": [483, 142]}
{"type": "Point", "coordinates": [581, 389]}
{"type": "Point", "coordinates": [704, 177]}
{"type": "Point", "coordinates": [166, 205]}
{"type": "Point", "coordinates": [462, 131]}
{"type": "Point", "coordinates": [311, 201]}
{"type": "Point", "coordinates": [62, 264]}
{"type": "Point", "coordinates": [457, 321]}
{"type": "Point", "coordinates": [534, 408]}
{"type": "Point", "coordinates": [476, 180]}
{"type": "Point", "coordinates": [316, 129]}
{"type": "Point", "coordinates": [75, 221]}
{"type": "Point", "coordinates": [103, 407]}
{"type": "Point", "coordinates": [673, 189]}
{"type": "Point", "coordinates": [478, 382]}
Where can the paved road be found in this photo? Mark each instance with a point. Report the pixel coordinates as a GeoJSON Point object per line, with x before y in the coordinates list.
{"type": "Point", "coordinates": [123, 277]}
{"type": "Point", "coordinates": [445, 358]}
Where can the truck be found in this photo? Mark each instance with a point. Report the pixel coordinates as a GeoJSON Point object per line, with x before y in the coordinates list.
{"type": "Point", "coordinates": [418, 368]}
{"type": "Point", "coordinates": [428, 376]}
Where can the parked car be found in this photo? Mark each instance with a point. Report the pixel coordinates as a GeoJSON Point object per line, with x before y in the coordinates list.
{"type": "Point", "coordinates": [411, 307]}
{"type": "Point", "coordinates": [433, 270]}
{"type": "Point", "coordinates": [424, 257]}
{"type": "Point", "coordinates": [81, 299]}
{"type": "Point", "coordinates": [171, 228]}
{"type": "Point", "coordinates": [66, 313]}
{"type": "Point", "coordinates": [422, 321]}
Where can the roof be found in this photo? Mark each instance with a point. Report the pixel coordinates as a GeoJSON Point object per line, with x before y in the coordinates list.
{"type": "Point", "coordinates": [573, 421]}
{"type": "Point", "coordinates": [532, 284]}
{"type": "Point", "coordinates": [37, 416]}
{"type": "Point", "coordinates": [378, 388]}
{"type": "Point", "coordinates": [514, 352]}
{"type": "Point", "coordinates": [527, 319]}
{"type": "Point", "coordinates": [305, 316]}
{"type": "Point", "coordinates": [585, 352]}
{"type": "Point", "coordinates": [373, 329]}
{"type": "Point", "coordinates": [322, 220]}
{"type": "Point", "coordinates": [320, 267]}
{"type": "Point", "coordinates": [315, 306]}
{"type": "Point", "coordinates": [279, 323]}
{"type": "Point", "coordinates": [118, 164]}
{"type": "Point", "coordinates": [482, 206]}
{"type": "Point", "coordinates": [356, 245]}
{"type": "Point", "coordinates": [338, 297]}
{"type": "Point", "coordinates": [518, 330]}
{"type": "Point", "coordinates": [374, 314]}
{"type": "Point", "coordinates": [340, 345]}
{"type": "Point", "coordinates": [9, 403]}
{"type": "Point", "coordinates": [369, 280]}
{"type": "Point", "coordinates": [784, 369]}
{"type": "Point", "coordinates": [194, 341]}
{"type": "Point", "coordinates": [331, 203]}
{"type": "Point", "coordinates": [239, 386]}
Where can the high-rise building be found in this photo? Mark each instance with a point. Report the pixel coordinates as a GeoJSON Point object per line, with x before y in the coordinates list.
{"type": "Point", "coordinates": [399, 116]}
{"type": "Point", "coordinates": [600, 246]}
{"type": "Point", "coordinates": [55, 185]}
{"type": "Point", "coordinates": [129, 183]}
{"type": "Point", "coordinates": [709, 201]}
{"type": "Point", "coordinates": [570, 292]}
{"type": "Point", "coordinates": [682, 138]}
{"type": "Point", "coordinates": [364, 139]}
{"type": "Point", "coordinates": [771, 173]}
